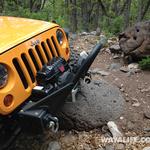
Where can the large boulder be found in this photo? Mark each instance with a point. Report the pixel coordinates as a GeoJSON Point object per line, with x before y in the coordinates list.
{"type": "Point", "coordinates": [135, 41]}
{"type": "Point", "coordinates": [97, 104]}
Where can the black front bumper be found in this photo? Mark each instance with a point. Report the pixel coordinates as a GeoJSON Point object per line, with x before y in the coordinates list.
{"type": "Point", "coordinates": [35, 115]}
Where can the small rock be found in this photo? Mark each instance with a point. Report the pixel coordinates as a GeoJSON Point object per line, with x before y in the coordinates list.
{"type": "Point", "coordinates": [116, 57]}
{"type": "Point", "coordinates": [107, 50]}
{"type": "Point", "coordinates": [115, 48]}
{"type": "Point", "coordinates": [109, 147]}
{"type": "Point", "coordinates": [131, 126]}
{"type": "Point", "coordinates": [103, 73]}
{"type": "Point", "coordinates": [98, 31]}
{"type": "Point", "coordinates": [100, 149]}
{"type": "Point", "coordinates": [142, 91]}
{"type": "Point", "coordinates": [123, 69]}
{"type": "Point", "coordinates": [83, 34]}
{"type": "Point", "coordinates": [129, 74]}
{"type": "Point", "coordinates": [103, 40]}
{"type": "Point", "coordinates": [115, 66]}
{"type": "Point", "coordinates": [96, 70]}
{"type": "Point", "coordinates": [93, 33]}
{"type": "Point", "coordinates": [136, 105]}
{"type": "Point", "coordinates": [120, 147]}
{"type": "Point", "coordinates": [87, 148]}
{"type": "Point", "coordinates": [102, 36]}
{"type": "Point", "coordinates": [122, 89]}
{"type": "Point", "coordinates": [71, 43]}
{"type": "Point", "coordinates": [80, 136]}
{"type": "Point", "coordinates": [147, 129]}
{"type": "Point", "coordinates": [113, 129]}
{"type": "Point", "coordinates": [90, 36]}
{"type": "Point", "coordinates": [147, 113]}
{"type": "Point", "coordinates": [110, 42]}
{"type": "Point", "coordinates": [74, 37]}
{"type": "Point", "coordinates": [146, 148]}
{"type": "Point", "coordinates": [133, 66]}
{"type": "Point", "coordinates": [53, 146]}
{"type": "Point", "coordinates": [84, 54]}
{"type": "Point", "coordinates": [93, 43]}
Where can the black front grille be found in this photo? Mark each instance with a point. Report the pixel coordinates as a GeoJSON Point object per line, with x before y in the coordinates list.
{"type": "Point", "coordinates": [39, 55]}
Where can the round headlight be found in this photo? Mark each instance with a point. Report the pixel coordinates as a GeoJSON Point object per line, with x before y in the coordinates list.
{"type": "Point", "coordinates": [59, 35]}
{"type": "Point", "coordinates": [3, 76]}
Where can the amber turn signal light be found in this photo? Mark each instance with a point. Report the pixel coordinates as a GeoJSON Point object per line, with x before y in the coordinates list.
{"type": "Point", "coordinates": [67, 51]}
{"type": "Point", "coordinates": [8, 100]}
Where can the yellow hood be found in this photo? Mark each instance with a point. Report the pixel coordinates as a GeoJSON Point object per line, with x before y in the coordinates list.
{"type": "Point", "coordinates": [16, 30]}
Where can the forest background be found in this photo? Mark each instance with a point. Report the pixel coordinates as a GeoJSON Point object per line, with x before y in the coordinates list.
{"type": "Point", "coordinates": [113, 16]}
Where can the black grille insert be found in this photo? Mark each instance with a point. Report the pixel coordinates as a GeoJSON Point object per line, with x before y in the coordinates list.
{"type": "Point", "coordinates": [28, 67]}
{"type": "Point", "coordinates": [20, 72]}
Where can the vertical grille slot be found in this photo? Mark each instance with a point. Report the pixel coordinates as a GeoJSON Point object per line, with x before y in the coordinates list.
{"type": "Point", "coordinates": [48, 42]}
{"type": "Point", "coordinates": [55, 45]}
{"type": "Point", "coordinates": [20, 72]}
{"type": "Point", "coordinates": [28, 67]}
{"type": "Point", "coordinates": [33, 59]}
{"type": "Point", "coordinates": [39, 53]}
{"type": "Point", "coordinates": [44, 48]}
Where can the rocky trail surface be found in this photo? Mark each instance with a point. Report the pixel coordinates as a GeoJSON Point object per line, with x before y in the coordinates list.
{"type": "Point", "coordinates": [133, 83]}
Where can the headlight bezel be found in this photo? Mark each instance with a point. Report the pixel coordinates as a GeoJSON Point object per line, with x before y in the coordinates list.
{"type": "Point", "coordinates": [3, 76]}
{"type": "Point", "coordinates": [60, 37]}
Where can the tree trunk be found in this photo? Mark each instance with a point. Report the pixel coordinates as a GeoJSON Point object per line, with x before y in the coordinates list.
{"type": "Point", "coordinates": [127, 14]}
{"type": "Point", "coordinates": [1, 6]}
{"type": "Point", "coordinates": [139, 11]}
{"type": "Point", "coordinates": [73, 16]}
{"type": "Point", "coordinates": [146, 8]}
{"type": "Point", "coordinates": [123, 7]}
{"type": "Point", "coordinates": [103, 8]}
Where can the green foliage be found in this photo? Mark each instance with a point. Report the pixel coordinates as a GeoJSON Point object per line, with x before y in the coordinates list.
{"type": "Point", "coordinates": [113, 26]}
{"type": "Point", "coordinates": [145, 63]}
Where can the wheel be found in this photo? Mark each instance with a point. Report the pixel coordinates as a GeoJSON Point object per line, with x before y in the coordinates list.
{"type": "Point", "coordinates": [74, 56]}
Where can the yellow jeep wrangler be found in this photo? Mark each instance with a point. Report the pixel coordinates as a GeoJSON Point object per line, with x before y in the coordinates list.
{"type": "Point", "coordinates": [37, 73]}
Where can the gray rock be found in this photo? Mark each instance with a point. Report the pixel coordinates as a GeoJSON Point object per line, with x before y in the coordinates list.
{"type": "Point", "coordinates": [103, 40]}
{"type": "Point", "coordinates": [54, 146]}
{"type": "Point", "coordinates": [115, 66]}
{"type": "Point", "coordinates": [102, 36]}
{"type": "Point", "coordinates": [109, 147]}
{"type": "Point", "coordinates": [122, 89]}
{"type": "Point", "coordinates": [146, 113]}
{"type": "Point", "coordinates": [83, 34]}
{"type": "Point", "coordinates": [129, 74]}
{"type": "Point", "coordinates": [123, 69]}
{"type": "Point", "coordinates": [98, 31]}
{"type": "Point", "coordinates": [120, 147]}
{"type": "Point", "coordinates": [103, 102]}
{"type": "Point", "coordinates": [110, 42]}
{"type": "Point", "coordinates": [131, 126]}
{"type": "Point", "coordinates": [96, 70]}
{"type": "Point", "coordinates": [91, 36]}
{"type": "Point", "coordinates": [116, 57]}
{"type": "Point", "coordinates": [93, 43]}
{"type": "Point", "coordinates": [115, 49]}
{"type": "Point", "coordinates": [136, 105]}
{"type": "Point", "coordinates": [71, 43]}
{"type": "Point", "coordinates": [73, 36]}
{"type": "Point", "coordinates": [146, 148]}
{"type": "Point", "coordinates": [133, 66]}
{"type": "Point", "coordinates": [103, 73]}
{"type": "Point", "coordinates": [93, 33]}
{"type": "Point", "coordinates": [114, 129]}
{"type": "Point", "coordinates": [147, 129]}
{"type": "Point", "coordinates": [100, 149]}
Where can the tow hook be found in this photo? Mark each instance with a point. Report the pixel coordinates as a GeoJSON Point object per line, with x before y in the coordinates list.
{"type": "Point", "coordinates": [54, 125]}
